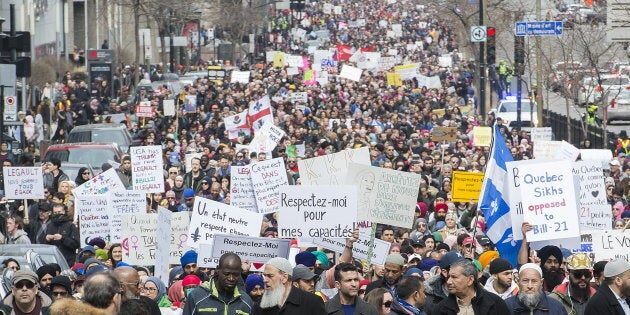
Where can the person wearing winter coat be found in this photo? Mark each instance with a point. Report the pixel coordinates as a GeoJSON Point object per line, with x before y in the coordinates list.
{"type": "Point", "coordinates": [62, 233]}
{"type": "Point", "coordinates": [531, 298]}
{"type": "Point", "coordinates": [501, 281]}
{"type": "Point", "coordinates": [15, 233]}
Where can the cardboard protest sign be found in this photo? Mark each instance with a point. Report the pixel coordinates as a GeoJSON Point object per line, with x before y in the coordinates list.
{"type": "Point", "coordinates": [549, 203]}
{"type": "Point", "coordinates": [163, 238]}
{"type": "Point", "coordinates": [360, 249]}
{"type": "Point", "coordinates": [169, 107]}
{"type": "Point", "coordinates": [394, 79]}
{"type": "Point", "coordinates": [266, 138]}
{"type": "Point", "coordinates": [541, 133]}
{"type": "Point", "coordinates": [254, 249]}
{"type": "Point", "coordinates": [93, 217]}
{"type": "Point", "coordinates": [407, 72]}
{"type": "Point", "coordinates": [602, 156]}
{"type": "Point", "coordinates": [100, 184]}
{"type": "Point", "coordinates": [482, 136]}
{"type": "Point", "coordinates": [611, 244]}
{"type": "Point", "coordinates": [317, 211]}
{"type": "Point", "coordinates": [147, 168]}
{"type": "Point", "coordinates": [294, 60]}
{"type": "Point", "coordinates": [466, 186]}
{"type": "Point", "coordinates": [267, 176]}
{"type": "Point", "coordinates": [331, 169]}
{"type": "Point", "coordinates": [566, 151]}
{"type": "Point", "coordinates": [210, 217]}
{"type": "Point", "coordinates": [439, 133]}
{"type": "Point", "coordinates": [513, 195]}
{"type": "Point", "coordinates": [385, 196]}
{"type": "Point", "coordinates": [240, 77]}
{"type": "Point", "coordinates": [351, 73]}
{"type": "Point", "coordinates": [122, 203]}
{"type": "Point", "coordinates": [179, 236]}
{"type": "Point", "coordinates": [432, 82]}
{"type": "Point", "coordinates": [545, 150]}
{"type": "Point", "coordinates": [23, 182]}
{"type": "Point", "coordinates": [594, 209]}
{"type": "Point", "coordinates": [242, 189]}
{"type": "Point", "coordinates": [139, 238]}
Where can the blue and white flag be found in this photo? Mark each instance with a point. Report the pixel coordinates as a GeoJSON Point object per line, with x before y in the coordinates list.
{"type": "Point", "coordinates": [493, 200]}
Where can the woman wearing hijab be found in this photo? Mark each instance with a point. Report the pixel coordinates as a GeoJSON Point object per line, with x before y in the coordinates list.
{"type": "Point", "coordinates": [83, 176]}
{"type": "Point", "coordinates": [154, 289]}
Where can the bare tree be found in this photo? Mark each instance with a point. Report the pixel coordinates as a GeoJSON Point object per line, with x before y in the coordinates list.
{"type": "Point", "coordinates": [237, 19]}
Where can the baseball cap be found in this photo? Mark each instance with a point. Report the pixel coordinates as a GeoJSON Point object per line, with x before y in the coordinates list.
{"type": "Point", "coordinates": [484, 240]}
{"type": "Point", "coordinates": [302, 272]}
{"type": "Point", "coordinates": [414, 256]}
{"type": "Point", "coordinates": [449, 258]}
{"type": "Point", "coordinates": [24, 274]}
{"type": "Point", "coordinates": [613, 268]}
{"type": "Point", "coordinates": [417, 243]}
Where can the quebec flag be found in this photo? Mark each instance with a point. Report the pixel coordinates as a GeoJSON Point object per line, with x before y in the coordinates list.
{"type": "Point", "coordinates": [493, 200]}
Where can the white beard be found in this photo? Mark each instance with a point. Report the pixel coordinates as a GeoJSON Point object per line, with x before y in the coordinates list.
{"type": "Point", "coordinates": [529, 300]}
{"type": "Point", "coordinates": [273, 297]}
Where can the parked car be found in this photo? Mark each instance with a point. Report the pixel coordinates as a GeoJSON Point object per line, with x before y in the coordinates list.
{"type": "Point", "coordinates": [506, 110]}
{"type": "Point", "coordinates": [115, 133]}
{"type": "Point", "coordinates": [615, 105]}
{"type": "Point", "coordinates": [591, 92]}
{"type": "Point", "coordinates": [85, 153]}
{"type": "Point", "coordinates": [72, 169]}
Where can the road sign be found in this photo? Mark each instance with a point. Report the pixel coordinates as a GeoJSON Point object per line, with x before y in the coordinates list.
{"type": "Point", "coordinates": [10, 108]}
{"type": "Point", "coordinates": [539, 28]}
{"type": "Point", "coordinates": [478, 33]}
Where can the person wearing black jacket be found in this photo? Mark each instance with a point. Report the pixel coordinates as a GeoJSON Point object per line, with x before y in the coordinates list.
{"type": "Point", "coordinates": [62, 233]}
{"type": "Point", "coordinates": [613, 296]}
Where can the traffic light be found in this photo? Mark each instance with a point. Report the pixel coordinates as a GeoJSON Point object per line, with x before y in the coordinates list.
{"type": "Point", "coordinates": [519, 55]}
{"type": "Point", "coordinates": [491, 50]}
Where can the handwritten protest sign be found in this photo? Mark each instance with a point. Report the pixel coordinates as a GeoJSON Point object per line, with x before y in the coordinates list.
{"type": "Point", "coordinates": [350, 73]}
{"type": "Point", "coordinates": [549, 203]}
{"type": "Point", "coordinates": [121, 203]}
{"type": "Point", "coordinates": [147, 169]}
{"type": "Point", "coordinates": [603, 156]}
{"type": "Point", "coordinates": [612, 244]}
{"type": "Point", "coordinates": [360, 249]}
{"type": "Point", "coordinates": [100, 184]}
{"type": "Point", "coordinates": [545, 149]}
{"type": "Point", "coordinates": [566, 151]}
{"type": "Point", "coordinates": [482, 136]}
{"type": "Point", "coordinates": [210, 217]}
{"type": "Point", "coordinates": [513, 194]}
{"type": "Point", "coordinates": [242, 189]}
{"type": "Point", "coordinates": [439, 133]}
{"type": "Point", "coordinates": [139, 238]}
{"type": "Point", "coordinates": [240, 77]}
{"type": "Point", "coordinates": [594, 209]}
{"type": "Point", "coordinates": [331, 169]}
{"type": "Point", "coordinates": [254, 249]}
{"type": "Point", "coordinates": [541, 134]}
{"type": "Point", "coordinates": [23, 182]}
{"type": "Point", "coordinates": [385, 196]}
{"type": "Point", "coordinates": [266, 138]}
{"type": "Point", "coordinates": [317, 211]}
{"type": "Point", "coordinates": [179, 235]}
{"type": "Point", "coordinates": [93, 217]}
{"type": "Point", "coordinates": [394, 79]}
{"type": "Point", "coordinates": [407, 72]}
{"type": "Point", "coordinates": [466, 186]}
{"type": "Point", "coordinates": [169, 107]}
{"type": "Point", "coordinates": [163, 238]}
{"type": "Point", "coordinates": [267, 176]}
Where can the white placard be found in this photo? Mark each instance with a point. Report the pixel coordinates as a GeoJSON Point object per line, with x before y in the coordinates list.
{"type": "Point", "coordinates": [545, 149]}
{"type": "Point", "coordinates": [513, 195]}
{"type": "Point", "coordinates": [385, 196]}
{"type": "Point", "coordinates": [254, 249]}
{"type": "Point", "coordinates": [100, 184]}
{"type": "Point", "coordinates": [242, 189]}
{"type": "Point", "coordinates": [179, 235]}
{"type": "Point", "coordinates": [298, 97]}
{"type": "Point", "coordinates": [549, 200]}
{"type": "Point", "coordinates": [293, 61]}
{"type": "Point", "coordinates": [317, 211]}
{"type": "Point", "coordinates": [566, 151]}
{"type": "Point", "coordinates": [611, 245]}
{"type": "Point", "coordinates": [430, 82]}
{"type": "Point", "coordinates": [139, 236]}
{"type": "Point", "coordinates": [169, 107]}
{"type": "Point", "coordinates": [147, 169]}
{"type": "Point", "coordinates": [23, 182]}
{"type": "Point", "coordinates": [270, 55]}
{"type": "Point", "coordinates": [360, 249]}
{"type": "Point", "coordinates": [163, 237]}
{"type": "Point", "coordinates": [210, 217]}
{"type": "Point", "coordinates": [240, 77]}
{"type": "Point", "coordinates": [445, 61]}
{"type": "Point", "coordinates": [267, 176]}
{"type": "Point", "coordinates": [331, 169]}
{"type": "Point", "coordinates": [351, 73]}
{"type": "Point", "coordinates": [122, 203]}
{"type": "Point", "coordinates": [593, 208]}
{"type": "Point", "coordinates": [541, 133]}
{"type": "Point", "coordinates": [189, 157]}
{"type": "Point", "coordinates": [93, 217]}
{"type": "Point", "coordinates": [266, 138]}
{"type": "Point", "coordinates": [293, 71]}
{"type": "Point", "coordinates": [602, 156]}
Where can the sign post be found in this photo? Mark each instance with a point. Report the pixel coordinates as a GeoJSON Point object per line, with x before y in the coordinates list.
{"type": "Point", "coordinates": [541, 28]}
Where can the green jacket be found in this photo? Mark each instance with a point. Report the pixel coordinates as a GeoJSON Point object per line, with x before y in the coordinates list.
{"type": "Point", "coordinates": [205, 299]}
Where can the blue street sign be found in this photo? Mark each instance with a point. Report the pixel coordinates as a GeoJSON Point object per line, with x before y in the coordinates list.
{"type": "Point", "coordinates": [538, 28]}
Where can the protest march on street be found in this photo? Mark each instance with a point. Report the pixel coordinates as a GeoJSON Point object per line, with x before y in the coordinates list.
{"type": "Point", "coordinates": [350, 173]}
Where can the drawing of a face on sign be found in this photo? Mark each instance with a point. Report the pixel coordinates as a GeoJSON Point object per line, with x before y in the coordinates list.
{"type": "Point", "coordinates": [366, 186]}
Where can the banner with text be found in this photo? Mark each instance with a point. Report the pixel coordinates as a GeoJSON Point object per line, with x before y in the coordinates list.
{"type": "Point", "coordinates": [163, 237]}
{"type": "Point", "coordinates": [254, 249]}
{"type": "Point", "coordinates": [360, 249]}
{"type": "Point", "coordinates": [384, 196]}
{"type": "Point", "coordinates": [267, 176]}
{"type": "Point", "coordinates": [179, 235]}
{"type": "Point", "coordinates": [23, 182]}
{"type": "Point", "coordinates": [317, 211]}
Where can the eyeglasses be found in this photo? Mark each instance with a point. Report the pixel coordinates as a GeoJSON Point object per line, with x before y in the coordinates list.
{"type": "Point", "coordinates": [239, 156]}
{"type": "Point", "coordinates": [387, 304]}
{"type": "Point", "coordinates": [22, 284]}
{"type": "Point", "coordinates": [291, 161]}
{"type": "Point", "coordinates": [578, 274]}
{"type": "Point", "coordinates": [60, 293]}
{"type": "Point", "coordinates": [86, 173]}
{"type": "Point", "coordinates": [172, 172]}
{"type": "Point", "coordinates": [148, 289]}
{"type": "Point", "coordinates": [170, 197]}
{"type": "Point", "coordinates": [190, 266]}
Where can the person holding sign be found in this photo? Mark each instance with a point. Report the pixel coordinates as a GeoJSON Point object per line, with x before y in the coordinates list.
{"type": "Point", "coordinates": [221, 293]}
